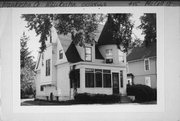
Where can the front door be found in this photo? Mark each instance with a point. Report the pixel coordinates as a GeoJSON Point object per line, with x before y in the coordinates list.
{"type": "Point", "coordinates": [115, 78]}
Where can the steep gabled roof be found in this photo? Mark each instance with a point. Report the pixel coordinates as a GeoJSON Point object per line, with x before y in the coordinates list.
{"type": "Point", "coordinates": [72, 54]}
{"type": "Point", "coordinates": [97, 53]}
{"type": "Point", "coordinates": [142, 52]}
{"type": "Point", "coordinates": [106, 36]}
{"type": "Point", "coordinates": [70, 49]}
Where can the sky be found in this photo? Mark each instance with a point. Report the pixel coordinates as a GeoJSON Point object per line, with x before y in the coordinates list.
{"type": "Point", "coordinates": [34, 44]}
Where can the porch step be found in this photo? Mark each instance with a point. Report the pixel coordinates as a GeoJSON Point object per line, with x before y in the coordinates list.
{"type": "Point", "coordinates": [125, 99]}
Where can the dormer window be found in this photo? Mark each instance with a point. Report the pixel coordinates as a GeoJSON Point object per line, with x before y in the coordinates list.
{"type": "Point", "coordinates": [60, 54]}
{"type": "Point", "coordinates": [109, 56]}
{"type": "Point", "coordinates": [88, 54]}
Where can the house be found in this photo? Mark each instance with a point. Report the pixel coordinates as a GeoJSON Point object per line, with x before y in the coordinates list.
{"type": "Point", "coordinates": [141, 66]}
{"type": "Point", "coordinates": [100, 67]}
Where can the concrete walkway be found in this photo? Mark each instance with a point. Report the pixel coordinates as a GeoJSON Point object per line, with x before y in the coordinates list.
{"type": "Point", "coordinates": [31, 99]}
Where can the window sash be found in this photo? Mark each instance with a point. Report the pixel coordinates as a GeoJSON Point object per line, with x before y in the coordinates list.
{"type": "Point", "coordinates": [88, 54]}
{"type": "Point", "coordinates": [147, 64]}
{"type": "Point", "coordinates": [98, 79]}
{"type": "Point", "coordinates": [89, 79]}
{"type": "Point", "coordinates": [106, 80]}
{"type": "Point", "coordinates": [48, 67]}
{"type": "Point", "coordinates": [60, 54]}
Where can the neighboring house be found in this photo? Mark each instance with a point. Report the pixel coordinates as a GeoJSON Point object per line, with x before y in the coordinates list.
{"type": "Point", "coordinates": [141, 66]}
{"type": "Point", "coordinates": [100, 67]}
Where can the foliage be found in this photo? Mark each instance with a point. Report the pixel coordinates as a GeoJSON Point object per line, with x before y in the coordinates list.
{"type": "Point", "coordinates": [148, 24]}
{"type": "Point", "coordinates": [142, 93]}
{"type": "Point", "coordinates": [96, 98]}
{"type": "Point", "coordinates": [80, 26]}
{"type": "Point", "coordinates": [27, 67]}
{"type": "Point", "coordinates": [121, 29]}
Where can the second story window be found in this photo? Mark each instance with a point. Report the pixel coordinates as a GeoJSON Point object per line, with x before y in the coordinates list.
{"type": "Point", "coordinates": [146, 64]}
{"type": "Point", "coordinates": [88, 54]}
{"type": "Point", "coordinates": [109, 56]}
{"type": "Point", "coordinates": [48, 67]}
{"type": "Point", "coordinates": [60, 54]}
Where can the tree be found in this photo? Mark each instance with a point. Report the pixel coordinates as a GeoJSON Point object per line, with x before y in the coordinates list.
{"type": "Point", "coordinates": [27, 66]}
{"type": "Point", "coordinates": [148, 25]}
{"type": "Point", "coordinates": [121, 28]}
{"type": "Point", "coordinates": [80, 26]}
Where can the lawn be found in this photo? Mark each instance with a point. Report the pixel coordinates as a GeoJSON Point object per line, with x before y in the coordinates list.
{"type": "Point", "coordinates": [70, 102]}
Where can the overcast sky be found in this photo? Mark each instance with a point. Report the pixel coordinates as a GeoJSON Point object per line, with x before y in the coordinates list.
{"type": "Point", "coordinates": [34, 44]}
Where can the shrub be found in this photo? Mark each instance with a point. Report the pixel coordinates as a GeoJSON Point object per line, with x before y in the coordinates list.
{"type": "Point", "coordinates": [142, 93]}
{"type": "Point", "coordinates": [96, 98]}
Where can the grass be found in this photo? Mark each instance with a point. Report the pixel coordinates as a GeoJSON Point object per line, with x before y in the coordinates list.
{"type": "Point", "coordinates": [69, 102]}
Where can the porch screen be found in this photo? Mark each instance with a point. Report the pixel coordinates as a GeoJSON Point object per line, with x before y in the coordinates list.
{"type": "Point", "coordinates": [89, 77]}
{"type": "Point", "coordinates": [98, 76]}
{"type": "Point", "coordinates": [106, 78]}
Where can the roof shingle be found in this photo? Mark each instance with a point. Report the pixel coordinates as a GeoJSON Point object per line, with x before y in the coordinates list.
{"type": "Point", "coordinates": [142, 52]}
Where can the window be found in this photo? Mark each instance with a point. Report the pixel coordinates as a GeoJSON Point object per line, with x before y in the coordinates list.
{"type": "Point", "coordinates": [106, 78]}
{"type": "Point", "coordinates": [98, 77]}
{"type": "Point", "coordinates": [60, 54]}
{"type": "Point", "coordinates": [121, 78]}
{"type": "Point", "coordinates": [89, 77]}
{"type": "Point", "coordinates": [146, 64]}
{"type": "Point", "coordinates": [48, 67]}
{"type": "Point", "coordinates": [42, 59]}
{"type": "Point", "coordinates": [109, 57]}
{"type": "Point", "coordinates": [88, 54]}
{"type": "Point", "coordinates": [148, 81]}
{"type": "Point", "coordinates": [41, 88]}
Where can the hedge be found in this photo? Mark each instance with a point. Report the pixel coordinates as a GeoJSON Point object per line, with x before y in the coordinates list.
{"type": "Point", "coordinates": [142, 93]}
{"type": "Point", "coordinates": [96, 98]}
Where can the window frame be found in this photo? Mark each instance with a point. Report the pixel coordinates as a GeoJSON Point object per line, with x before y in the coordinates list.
{"type": "Point", "coordinates": [97, 72]}
{"type": "Point", "coordinates": [87, 54]}
{"type": "Point", "coordinates": [107, 73]}
{"type": "Point", "coordinates": [60, 54]}
{"type": "Point", "coordinates": [48, 67]}
{"type": "Point", "coordinates": [86, 81]}
{"type": "Point", "coordinates": [148, 61]}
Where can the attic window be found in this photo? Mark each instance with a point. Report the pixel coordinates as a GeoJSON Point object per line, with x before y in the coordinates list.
{"type": "Point", "coordinates": [60, 54]}
{"type": "Point", "coordinates": [88, 54]}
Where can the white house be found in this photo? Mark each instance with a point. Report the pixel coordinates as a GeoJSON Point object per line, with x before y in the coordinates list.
{"type": "Point", "coordinates": [141, 66]}
{"type": "Point", "coordinates": [100, 67]}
